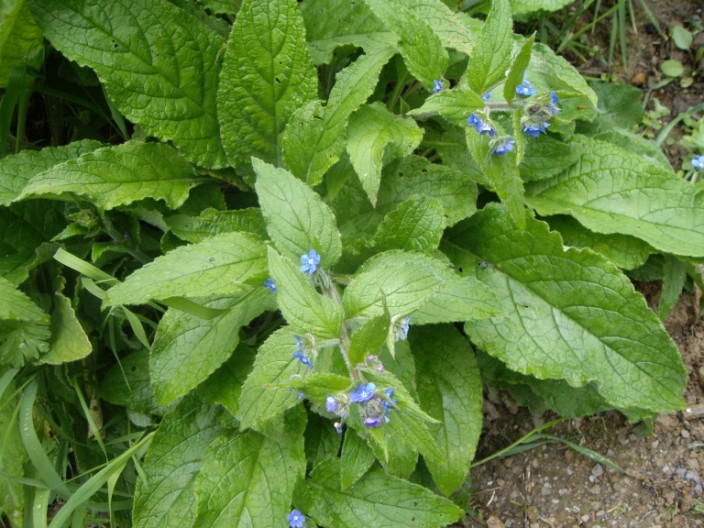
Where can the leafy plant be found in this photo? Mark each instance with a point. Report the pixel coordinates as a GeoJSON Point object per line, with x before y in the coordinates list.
{"type": "Point", "coordinates": [326, 225]}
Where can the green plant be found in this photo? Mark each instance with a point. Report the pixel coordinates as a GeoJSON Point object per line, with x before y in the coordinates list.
{"type": "Point", "coordinates": [280, 247]}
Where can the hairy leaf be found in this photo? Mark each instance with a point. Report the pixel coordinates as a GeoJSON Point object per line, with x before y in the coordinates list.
{"type": "Point", "coordinates": [223, 264]}
{"type": "Point", "coordinates": [158, 64]}
{"type": "Point", "coordinates": [127, 384]}
{"type": "Point", "coordinates": [120, 175]}
{"type": "Point", "coordinates": [224, 386]}
{"type": "Point", "coordinates": [568, 314]}
{"type": "Point", "coordinates": [24, 327]}
{"type": "Point", "coordinates": [69, 341]}
{"type": "Point", "coordinates": [491, 56]}
{"type": "Point", "coordinates": [213, 222]}
{"type": "Point", "coordinates": [417, 224]}
{"type": "Point", "coordinates": [455, 105]}
{"type": "Point", "coordinates": [20, 38]}
{"type": "Point", "coordinates": [266, 75]}
{"type": "Point", "coordinates": [520, 7]}
{"type": "Point", "coordinates": [518, 69]}
{"type": "Point", "coordinates": [355, 461]}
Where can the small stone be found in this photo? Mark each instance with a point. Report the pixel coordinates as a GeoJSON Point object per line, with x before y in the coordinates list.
{"type": "Point", "coordinates": [666, 469]}
{"type": "Point", "coordinates": [569, 472]}
{"type": "Point", "coordinates": [585, 518]}
{"type": "Point", "coordinates": [562, 492]}
{"type": "Point", "coordinates": [532, 513]}
{"type": "Point", "coordinates": [639, 79]}
{"type": "Point", "coordinates": [546, 490]}
{"type": "Point", "coordinates": [598, 470]}
{"type": "Point", "coordinates": [600, 514]}
{"type": "Point", "coordinates": [684, 433]}
{"type": "Point", "coordinates": [494, 522]}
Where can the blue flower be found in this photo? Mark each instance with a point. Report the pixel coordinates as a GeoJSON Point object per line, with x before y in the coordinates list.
{"type": "Point", "coordinates": [373, 421]}
{"type": "Point", "coordinates": [486, 97]}
{"type": "Point", "coordinates": [296, 519]}
{"type": "Point", "coordinates": [525, 89]}
{"type": "Point", "coordinates": [299, 355]}
{"type": "Point", "coordinates": [504, 146]}
{"type": "Point", "coordinates": [310, 261]}
{"type": "Point", "coordinates": [535, 129]}
{"type": "Point", "coordinates": [698, 162]}
{"type": "Point", "coordinates": [331, 404]}
{"type": "Point", "coordinates": [480, 125]}
{"type": "Point", "coordinates": [269, 283]}
{"type": "Point", "coordinates": [401, 329]}
{"type": "Point", "coordinates": [437, 86]}
{"type": "Point", "coordinates": [554, 99]}
{"type": "Point", "coordinates": [390, 401]}
{"type": "Point", "coordinates": [363, 393]}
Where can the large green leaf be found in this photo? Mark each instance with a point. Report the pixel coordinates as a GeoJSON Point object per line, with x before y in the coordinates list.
{"type": "Point", "coordinates": [417, 224]}
{"type": "Point", "coordinates": [69, 341]}
{"type": "Point", "coordinates": [456, 30]}
{"type": "Point", "coordinates": [20, 38]}
{"type": "Point", "coordinates": [224, 386]}
{"type": "Point", "coordinates": [12, 453]}
{"type": "Point", "coordinates": [165, 499]}
{"type": "Point", "coordinates": [213, 222]}
{"type": "Point", "coordinates": [491, 56]}
{"type": "Point", "coordinates": [377, 499]}
{"type": "Point", "coordinates": [315, 137]}
{"type": "Point", "coordinates": [296, 218]}
{"type": "Point", "coordinates": [266, 75]}
{"type": "Point", "coordinates": [24, 327]}
{"type": "Point", "coordinates": [567, 314]}
{"type": "Point", "coordinates": [611, 190]}
{"type": "Point", "coordinates": [375, 135]}
{"type": "Point", "coordinates": [158, 64]}
{"type": "Point", "coordinates": [450, 390]}
{"type": "Point", "coordinates": [187, 349]}
{"type": "Point", "coordinates": [266, 393]}
{"type": "Point", "coordinates": [549, 71]}
{"type": "Point", "coordinates": [221, 265]}
{"type": "Point", "coordinates": [17, 170]}
{"type": "Point", "coordinates": [355, 460]}
{"type": "Point", "coordinates": [120, 175]}
{"type": "Point", "coordinates": [248, 480]}
{"type": "Point", "coordinates": [127, 384]}
{"type": "Point", "coordinates": [520, 7]}
{"type": "Point", "coordinates": [421, 48]}
{"type": "Point", "coordinates": [304, 308]}
{"type": "Point", "coordinates": [455, 105]}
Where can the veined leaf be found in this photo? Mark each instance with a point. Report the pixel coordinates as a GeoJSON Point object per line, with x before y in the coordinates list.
{"type": "Point", "coordinates": [369, 339]}
{"type": "Point", "coordinates": [20, 38]}
{"type": "Point", "coordinates": [545, 157]}
{"type": "Point", "coordinates": [552, 72]}
{"type": "Point", "coordinates": [417, 224]}
{"type": "Point", "coordinates": [395, 280]}
{"type": "Point", "coordinates": [296, 218]}
{"type": "Point", "coordinates": [611, 190]}
{"type": "Point", "coordinates": [13, 455]}
{"type": "Point", "coordinates": [266, 75]}
{"type": "Point", "coordinates": [420, 47]}
{"type": "Point", "coordinates": [455, 105]}
{"type": "Point", "coordinates": [375, 134]}
{"type": "Point", "coordinates": [213, 222]}
{"type": "Point", "coordinates": [491, 56]}
{"type": "Point", "coordinates": [315, 136]}
{"type": "Point", "coordinates": [69, 341]}
{"type": "Point", "coordinates": [450, 390]}
{"type": "Point", "coordinates": [520, 7]}
{"type": "Point", "coordinates": [570, 314]}
{"type": "Point", "coordinates": [248, 480]}
{"type": "Point", "coordinates": [165, 499]}
{"type": "Point", "coordinates": [221, 265]}
{"type": "Point", "coordinates": [266, 392]}
{"type": "Point", "coordinates": [355, 461]}
{"type": "Point", "coordinates": [224, 386]}
{"type": "Point", "coordinates": [187, 349]}
{"type": "Point", "coordinates": [518, 69]}
{"type": "Point", "coordinates": [377, 499]}
{"type": "Point", "coordinates": [159, 65]}
{"type": "Point", "coordinates": [120, 175]}
{"type": "Point", "coordinates": [304, 308]}
{"type": "Point", "coordinates": [24, 327]}
{"type": "Point", "coordinates": [127, 384]}
{"type": "Point", "coordinates": [17, 170]}
{"type": "Point", "coordinates": [456, 30]}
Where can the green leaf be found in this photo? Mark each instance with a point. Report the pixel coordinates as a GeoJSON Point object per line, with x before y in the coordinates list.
{"type": "Point", "coordinates": [296, 218]}
{"type": "Point", "coordinates": [369, 339]}
{"type": "Point", "coordinates": [455, 105]}
{"type": "Point", "coordinates": [552, 72]}
{"type": "Point", "coordinates": [224, 386]}
{"type": "Point", "coordinates": [304, 308]}
{"type": "Point", "coordinates": [120, 175]}
{"type": "Point", "coordinates": [355, 461]}
{"type": "Point", "coordinates": [681, 37]}
{"type": "Point", "coordinates": [420, 47]}
{"type": "Point", "coordinates": [159, 66]}
{"type": "Point", "coordinates": [165, 499]}
{"type": "Point", "coordinates": [414, 175]}
{"type": "Point", "coordinates": [213, 222]}
{"type": "Point", "coordinates": [672, 68]}
{"type": "Point", "coordinates": [611, 190]}
{"type": "Point", "coordinates": [417, 224]}
{"type": "Point", "coordinates": [456, 29]}
{"type": "Point", "coordinates": [450, 390]}
{"type": "Point", "coordinates": [491, 56]}
{"type": "Point", "coordinates": [12, 453]}
{"type": "Point", "coordinates": [127, 384]}
{"type": "Point", "coordinates": [24, 327]}
{"type": "Point", "coordinates": [266, 75]}
{"type": "Point", "coordinates": [674, 277]}
{"type": "Point", "coordinates": [377, 499]}
{"type": "Point", "coordinates": [570, 313]}
{"type": "Point", "coordinates": [520, 7]}
{"type": "Point", "coordinates": [317, 385]}
{"type": "Point", "coordinates": [20, 38]}
{"type": "Point", "coordinates": [322, 440]}
{"type": "Point", "coordinates": [17, 170]}
{"type": "Point", "coordinates": [375, 135]}
{"type": "Point", "coordinates": [395, 280]}
{"type": "Point", "coordinates": [624, 251]}
{"type": "Point", "coordinates": [267, 393]}
{"type": "Point", "coordinates": [248, 480]}
{"type": "Point", "coordinates": [187, 349]}
{"type": "Point", "coordinates": [69, 341]}
{"type": "Point", "coordinates": [221, 265]}
{"type": "Point", "coordinates": [545, 157]}
{"type": "Point", "coordinates": [518, 69]}
{"type": "Point", "coordinates": [315, 137]}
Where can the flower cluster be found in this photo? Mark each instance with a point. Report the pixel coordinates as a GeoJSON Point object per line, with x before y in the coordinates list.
{"type": "Point", "coordinates": [538, 116]}
{"type": "Point", "coordinates": [374, 407]}
{"type": "Point", "coordinates": [481, 125]}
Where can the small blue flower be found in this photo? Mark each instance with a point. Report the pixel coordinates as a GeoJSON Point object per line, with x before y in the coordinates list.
{"type": "Point", "coordinates": [269, 283]}
{"type": "Point", "coordinates": [299, 355]}
{"type": "Point", "coordinates": [525, 89]}
{"type": "Point", "coordinates": [486, 97]}
{"type": "Point", "coordinates": [373, 421]}
{"type": "Point", "coordinates": [363, 393]}
{"type": "Point", "coordinates": [554, 99]}
{"type": "Point", "coordinates": [698, 162]}
{"type": "Point", "coordinates": [437, 86]}
{"type": "Point", "coordinates": [296, 519]}
{"type": "Point", "coordinates": [535, 129]}
{"type": "Point", "coordinates": [480, 125]}
{"type": "Point", "coordinates": [310, 261]}
{"type": "Point", "coordinates": [401, 329]}
{"type": "Point", "coordinates": [504, 146]}
{"type": "Point", "coordinates": [390, 401]}
{"type": "Point", "coordinates": [331, 404]}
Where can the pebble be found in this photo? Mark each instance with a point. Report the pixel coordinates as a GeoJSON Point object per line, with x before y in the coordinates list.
{"type": "Point", "coordinates": [546, 490]}
{"type": "Point", "coordinates": [494, 522]}
{"type": "Point", "coordinates": [585, 518]}
{"type": "Point", "coordinates": [600, 514]}
{"type": "Point", "coordinates": [598, 470]}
